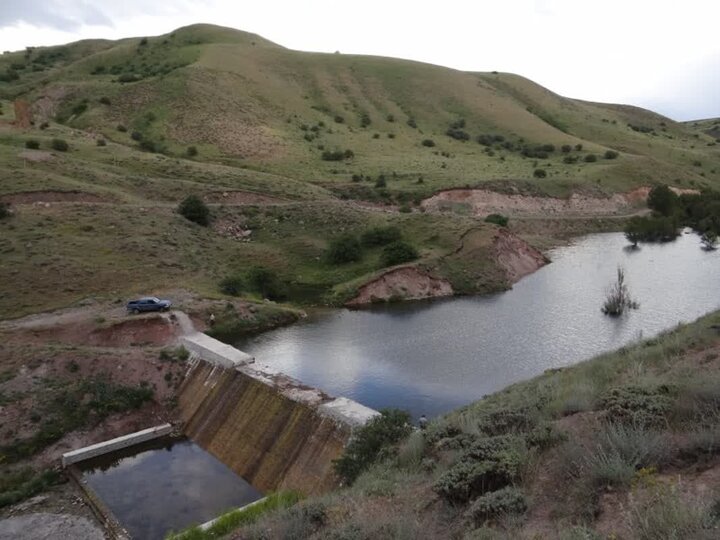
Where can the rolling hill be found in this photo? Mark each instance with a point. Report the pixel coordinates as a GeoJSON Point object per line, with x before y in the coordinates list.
{"type": "Point", "coordinates": [295, 147]}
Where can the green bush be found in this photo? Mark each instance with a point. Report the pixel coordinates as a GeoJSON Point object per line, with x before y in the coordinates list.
{"type": "Point", "coordinates": [191, 151]}
{"type": "Point", "coordinates": [32, 144]}
{"type": "Point", "coordinates": [662, 200]}
{"type": "Point", "coordinates": [266, 282]}
{"type": "Point", "coordinates": [611, 154]}
{"type": "Point", "coordinates": [104, 100]}
{"type": "Point", "coordinates": [24, 483]}
{"type": "Point", "coordinates": [412, 123]}
{"type": "Point", "coordinates": [232, 285]}
{"type": "Point", "coordinates": [390, 118]}
{"type": "Point", "coordinates": [565, 148]}
{"type": "Point", "coordinates": [428, 142]}
{"type": "Point", "coordinates": [398, 252]}
{"type": "Point", "coordinates": [344, 249]}
{"type": "Point", "coordinates": [101, 142]}
{"type": "Point", "coordinates": [590, 158]}
{"type": "Point", "coordinates": [458, 134]}
{"type": "Point", "coordinates": [539, 173]}
{"type": "Point", "coordinates": [497, 219]}
{"type": "Point", "coordinates": [381, 236]}
{"type": "Point", "coordinates": [505, 501]}
{"type": "Point", "coordinates": [194, 209]}
{"type": "Point", "coordinates": [60, 145]}
{"type": "Point", "coordinates": [136, 136]}
{"type": "Point", "coordinates": [372, 442]}
{"type": "Point", "coordinates": [121, 128]}
{"type": "Point", "coordinates": [380, 182]}
{"type": "Point", "coordinates": [4, 210]}
{"type": "Point", "coordinates": [638, 406]}
{"type": "Point", "coordinates": [339, 119]}
{"type": "Point", "coordinates": [337, 155]}
{"type": "Point", "coordinates": [651, 229]}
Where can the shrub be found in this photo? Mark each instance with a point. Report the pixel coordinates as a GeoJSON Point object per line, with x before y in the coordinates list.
{"type": "Point", "coordinates": [457, 134]}
{"type": "Point", "coordinates": [381, 236]}
{"type": "Point", "coordinates": [60, 145]}
{"type": "Point", "coordinates": [578, 147]}
{"type": "Point", "coordinates": [344, 249]}
{"type": "Point", "coordinates": [398, 252]}
{"type": "Point", "coordinates": [101, 142]}
{"type": "Point", "coordinates": [265, 282]}
{"type": "Point", "coordinates": [4, 210]}
{"type": "Point", "coordinates": [128, 78]}
{"type": "Point", "coordinates": [618, 297]}
{"type": "Point", "coordinates": [121, 128]}
{"type": "Point", "coordinates": [611, 154]}
{"type": "Point", "coordinates": [339, 119]}
{"type": "Point", "coordinates": [638, 406]}
{"type": "Point", "coordinates": [232, 285]}
{"type": "Point", "coordinates": [337, 155]}
{"type": "Point", "coordinates": [390, 118]}
{"type": "Point", "coordinates": [428, 142]}
{"type": "Point", "coordinates": [508, 500]}
{"type": "Point", "coordinates": [565, 148]}
{"type": "Point", "coordinates": [539, 173]}
{"type": "Point", "coordinates": [194, 209]}
{"type": "Point", "coordinates": [412, 123]}
{"type": "Point", "coordinates": [372, 442]}
{"type": "Point", "coordinates": [104, 100]}
{"type": "Point", "coordinates": [590, 158]}
{"type": "Point", "coordinates": [667, 516]}
{"type": "Point", "coordinates": [32, 144]}
{"type": "Point", "coordinates": [497, 219]}
{"type": "Point", "coordinates": [570, 159]}
{"type": "Point", "coordinates": [149, 146]}
{"type": "Point", "coordinates": [365, 120]}
{"type": "Point", "coordinates": [380, 182]}
{"type": "Point", "coordinates": [191, 151]}
{"type": "Point", "coordinates": [136, 136]}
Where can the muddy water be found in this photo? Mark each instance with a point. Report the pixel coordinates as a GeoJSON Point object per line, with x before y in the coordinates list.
{"type": "Point", "coordinates": [432, 357]}
{"type": "Point", "coordinates": [164, 486]}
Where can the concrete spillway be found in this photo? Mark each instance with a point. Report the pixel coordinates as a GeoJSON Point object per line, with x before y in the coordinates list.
{"type": "Point", "coordinates": [267, 427]}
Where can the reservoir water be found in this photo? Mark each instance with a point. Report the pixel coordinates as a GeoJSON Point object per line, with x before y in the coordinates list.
{"type": "Point", "coordinates": [165, 486]}
{"type": "Point", "coordinates": [431, 357]}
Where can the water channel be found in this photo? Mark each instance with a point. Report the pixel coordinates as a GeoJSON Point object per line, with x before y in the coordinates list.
{"type": "Point", "coordinates": [165, 486]}
{"type": "Point", "coordinates": [431, 357]}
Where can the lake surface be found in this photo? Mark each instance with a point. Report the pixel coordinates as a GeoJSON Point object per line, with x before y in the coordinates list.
{"type": "Point", "coordinates": [431, 357]}
{"type": "Point", "coordinates": [165, 486]}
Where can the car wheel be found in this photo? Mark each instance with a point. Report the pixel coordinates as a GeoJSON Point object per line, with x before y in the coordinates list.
{"type": "Point", "coordinates": [135, 311]}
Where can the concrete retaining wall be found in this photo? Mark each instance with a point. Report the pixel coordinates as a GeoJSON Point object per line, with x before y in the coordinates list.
{"type": "Point", "coordinates": [118, 443]}
{"type": "Point", "coordinates": [215, 351]}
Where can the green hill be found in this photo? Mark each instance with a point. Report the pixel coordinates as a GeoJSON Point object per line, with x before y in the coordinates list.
{"type": "Point", "coordinates": [210, 111]}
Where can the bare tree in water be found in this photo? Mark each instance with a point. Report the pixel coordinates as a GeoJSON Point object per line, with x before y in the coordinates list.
{"type": "Point", "coordinates": [618, 297]}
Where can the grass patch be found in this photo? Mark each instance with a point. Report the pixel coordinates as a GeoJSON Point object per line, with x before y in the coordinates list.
{"type": "Point", "coordinates": [18, 485]}
{"type": "Point", "coordinates": [234, 519]}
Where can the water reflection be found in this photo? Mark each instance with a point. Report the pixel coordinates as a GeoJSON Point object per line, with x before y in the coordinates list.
{"type": "Point", "coordinates": [431, 357]}
{"type": "Point", "coordinates": [165, 487]}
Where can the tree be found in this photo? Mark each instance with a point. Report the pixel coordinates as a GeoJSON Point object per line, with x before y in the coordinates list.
{"type": "Point", "coordinates": [634, 231]}
{"type": "Point", "coordinates": [618, 297]}
{"type": "Point", "coordinates": [662, 200]}
{"type": "Point", "coordinates": [195, 210]}
{"type": "Point", "coordinates": [344, 249]}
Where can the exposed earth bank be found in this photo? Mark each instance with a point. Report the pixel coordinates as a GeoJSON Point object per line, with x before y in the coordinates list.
{"type": "Point", "coordinates": [512, 257]}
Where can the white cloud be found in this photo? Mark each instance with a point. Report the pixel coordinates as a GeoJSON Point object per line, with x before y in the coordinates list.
{"type": "Point", "coordinates": [653, 53]}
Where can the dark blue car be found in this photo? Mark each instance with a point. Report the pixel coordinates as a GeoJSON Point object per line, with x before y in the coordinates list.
{"type": "Point", "coordinates": [149, 303]}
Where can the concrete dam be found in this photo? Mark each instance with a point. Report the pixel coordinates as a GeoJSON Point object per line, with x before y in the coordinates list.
{"type": "Point", "coordinates": [268, 428]}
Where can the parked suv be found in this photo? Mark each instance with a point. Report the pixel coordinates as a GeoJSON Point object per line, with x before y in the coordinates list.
{"type": "Point", "coordinates": [149, 303]}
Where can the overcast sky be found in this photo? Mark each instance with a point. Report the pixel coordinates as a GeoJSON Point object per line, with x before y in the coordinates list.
{"type": "Point", "coordinates": [659, 54]}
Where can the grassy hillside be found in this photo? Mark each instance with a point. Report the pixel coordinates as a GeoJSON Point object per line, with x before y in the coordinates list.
{"type": "Point", "coordinates": [290, 146]}
{"type": "Point", "coordinates": [622, 446]}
